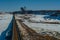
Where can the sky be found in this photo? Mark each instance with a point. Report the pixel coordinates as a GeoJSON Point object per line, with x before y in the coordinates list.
{"type": "Point", "coordinates": [15, 5]}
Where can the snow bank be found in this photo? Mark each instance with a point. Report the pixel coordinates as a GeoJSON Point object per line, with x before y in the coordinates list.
{"type": "Point", "coordinates": [4, 22]}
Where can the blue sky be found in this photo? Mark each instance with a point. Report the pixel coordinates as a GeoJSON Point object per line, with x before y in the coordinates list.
{"type": "Point", "coordinates": [14, 5]}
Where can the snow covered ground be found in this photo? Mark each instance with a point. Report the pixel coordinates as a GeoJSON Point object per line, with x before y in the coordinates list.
{"type": "Point", "coordinates": [40, 18]}
{"type": "Point", "coordinates": [5, 19]}
{"type": "Point", "coordinates": [43, 29]}
{"type": "Point", "coordinates": [38, 26]}
{"type": "Point", "coordinates": [51, 29]}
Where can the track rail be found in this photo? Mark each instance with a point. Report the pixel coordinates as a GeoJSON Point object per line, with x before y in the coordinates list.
{"type": "Point", "coordinates": [16, 33]}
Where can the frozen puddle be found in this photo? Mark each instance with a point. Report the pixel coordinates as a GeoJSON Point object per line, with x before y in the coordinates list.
{"type": "Point", "coordinates": [5, 19]}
